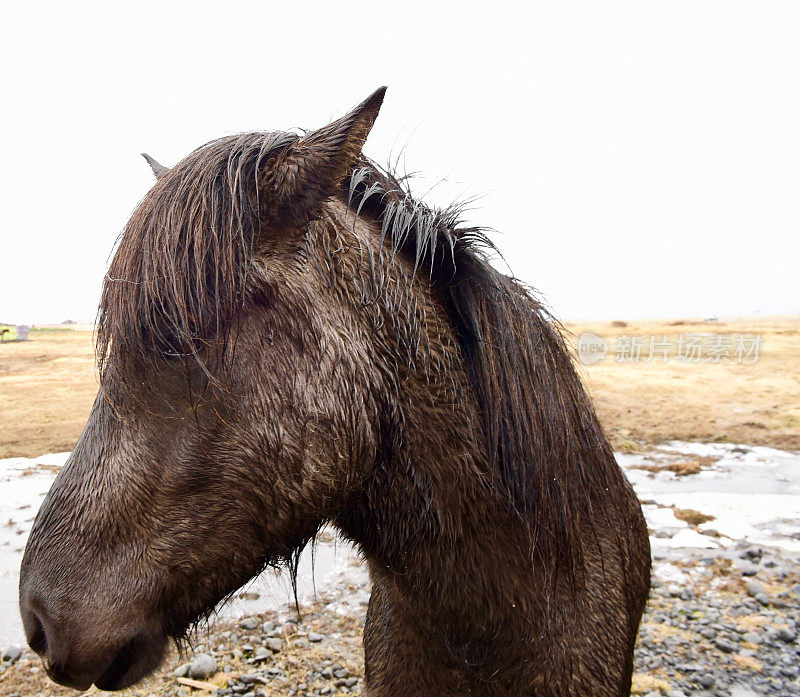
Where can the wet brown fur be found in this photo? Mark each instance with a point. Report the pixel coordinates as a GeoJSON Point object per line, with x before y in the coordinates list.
{"type": "Point", "coordinates": [288, 338]}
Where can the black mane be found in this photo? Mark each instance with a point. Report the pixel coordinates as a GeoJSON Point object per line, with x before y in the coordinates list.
{"type": "Point", "coordinates": [543, 438]}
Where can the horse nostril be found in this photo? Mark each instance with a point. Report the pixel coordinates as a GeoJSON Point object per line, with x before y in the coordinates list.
{"type": "Point", "coordinates": [37, 639]}
{"type": "Point", "coordinates": [35, 631]}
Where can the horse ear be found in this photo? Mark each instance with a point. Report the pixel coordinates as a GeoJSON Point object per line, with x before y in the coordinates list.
{"type": "Point", "coordinates": [312, 168]}
{"type": "Point", "coordinates": [158, 169]}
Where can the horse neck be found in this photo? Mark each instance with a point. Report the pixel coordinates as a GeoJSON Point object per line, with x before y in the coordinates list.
{"type": "Point", "coordinates": [428, 509]}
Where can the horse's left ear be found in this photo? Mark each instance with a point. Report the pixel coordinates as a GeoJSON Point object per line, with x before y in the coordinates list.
{"type": "Point", "coordinates": [158, 169]}
{"type": "Point", "coordinates": [313, 168]}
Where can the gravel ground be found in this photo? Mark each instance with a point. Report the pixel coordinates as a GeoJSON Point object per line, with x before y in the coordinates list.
{"type": "Point", "coordinates": [722, 625]}
{"type": "Point", "coordinates": [718, 625]}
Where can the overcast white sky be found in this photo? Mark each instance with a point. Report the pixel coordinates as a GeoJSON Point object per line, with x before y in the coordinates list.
{"type": "Point", "coordinates": [638, 159]}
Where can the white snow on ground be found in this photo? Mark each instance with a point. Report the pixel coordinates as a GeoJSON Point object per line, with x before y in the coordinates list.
{"type": "Point", "coordinates": [23, 484]}
{"type": "Point", "coordinates": [752, 492]}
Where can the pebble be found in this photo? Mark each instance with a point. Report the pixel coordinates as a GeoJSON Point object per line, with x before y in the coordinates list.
{"type": "Point", "coordinates": [11, 654]}
{"type": "Point", "coordinates": [724, 645]}
{"type": "Point", "coordinates": [742, 691]}
{"type": "Point", "coordinates": [249, 623]}
{"type": "Point", "coordinates": [314, 637]}
{"type": "Point", "coordinates": [726, 620]}
{"type": "Point", "coordinates": [202, 666]}
{"type": "Point", "coordinates": [754, 588]}
{"type": "Point", "coordinates": [273, 643]}
{"type": "Point", "coordinates": [251, 678]}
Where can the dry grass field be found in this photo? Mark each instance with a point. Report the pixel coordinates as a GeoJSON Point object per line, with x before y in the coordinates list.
{"type": "Point", "coordinates": [47, 387]}
{"type": "Point", "coordinates": [48, 384]}
{"type": "Point", "coordinates": [642, 402]}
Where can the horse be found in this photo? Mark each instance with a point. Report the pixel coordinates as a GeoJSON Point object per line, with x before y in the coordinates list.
{"type": "Point", "coordinates": [288, 339]}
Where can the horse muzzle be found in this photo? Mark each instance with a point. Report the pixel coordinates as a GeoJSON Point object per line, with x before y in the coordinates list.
{"type": "Point", "coordinates": [78, 654]}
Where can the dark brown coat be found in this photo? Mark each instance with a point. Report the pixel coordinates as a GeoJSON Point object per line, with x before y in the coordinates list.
{"type": "Point", "coordinates": [286, 339]}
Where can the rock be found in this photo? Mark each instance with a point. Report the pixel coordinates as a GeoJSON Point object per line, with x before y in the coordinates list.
{"type": "Point", "coordinates": [676, 693]}
{"type": "Point", "coordinates": [724, 645]}
{"type": "Point", "coordinates": [262, 652]}
{"type": "Point", "coordinates": [249, 623]}
{"type": "Point", "coordinates": [202, 666]}
{"type": "Point", "coordinates": [786, 635]}
{"type": "Point", "coordinates": [182, 670]}
{"type": "Point", "coordinates": [754, 588]}
{"type": "Point", "coordinates": [752, 637]}
{"type": "Point", "coordinates": [742, 691]}
{"type": "Point", "coordinates": [341, 673]}
{"type": "Point", "coordinates": [763, 598]}
{"type": "Point", "coordinates": [253, 678]}
{"type": "Point", "coordinates": [11, 654]}
{"type": "Point", "coordinates": [274, 644]}
{"type": "Point", "coordinates": [314, 637]}
{"type": "Point", "coordinates": [754, 554]}
{"type": "Point", "coordinates": [708, 681]}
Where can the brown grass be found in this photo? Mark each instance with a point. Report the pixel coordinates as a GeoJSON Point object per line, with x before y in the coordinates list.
{"type": "Point", "coordinates": [48, 384]}
{"type": "Point", "coordinates": [643, 684]}
{"type": "Point", "coordinates": [682, 469]}
{"type": "Point", "coordinates": [646, 403]}
{"type": "Point", "coordinates": [691, 516]}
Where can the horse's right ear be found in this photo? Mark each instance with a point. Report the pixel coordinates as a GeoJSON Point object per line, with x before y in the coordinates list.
{"type": "Point", "coordinates": [313, 168]}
